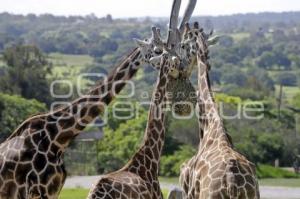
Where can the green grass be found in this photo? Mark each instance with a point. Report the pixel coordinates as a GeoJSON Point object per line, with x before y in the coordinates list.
{"type": "Point", "coordinates": [240, 36]}
{"type": "Point", "coordinates": [165, 192]}
{"type": "Point", "coordinates": [288, 91]}
{"type": "Point", "coordinates": [73, 194]}
{"type": "Point", "coordinates": [266, 171]}
{"type": "Point", "coordinates": [59, 59]}
{"type": "Point", "coordinates": [281, 182]}
{"type": "Point", "coordinates": [172, 180]}
{"type": "Point", "coordinates": [68, 66]}
{"type": "Point", "coordinates": [82, 193]}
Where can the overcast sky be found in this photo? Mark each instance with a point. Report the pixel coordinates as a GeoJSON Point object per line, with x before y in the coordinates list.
{"type": "Point", "coordinates": [139, 8]}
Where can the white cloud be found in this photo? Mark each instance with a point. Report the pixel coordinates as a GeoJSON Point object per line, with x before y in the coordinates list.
{"type": "Point", "coordinates": [133, 8]}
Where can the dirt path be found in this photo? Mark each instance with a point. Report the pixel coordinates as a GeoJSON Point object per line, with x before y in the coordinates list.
{"type": "Point", "coordinates": [265, 191]}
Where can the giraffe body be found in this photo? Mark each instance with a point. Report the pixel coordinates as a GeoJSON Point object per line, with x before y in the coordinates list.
{"type": "Point", "coordinates": [122, 184]}
{"type": "Point", "coordinates": [217, 170]}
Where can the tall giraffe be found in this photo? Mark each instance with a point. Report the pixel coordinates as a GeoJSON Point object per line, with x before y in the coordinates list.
{"type": "Point", "coordinates": [31, 159]}
{"type": "Point", "coordinates": [217, 170]}
{"type": "Point", "coordinates": [138, 179]}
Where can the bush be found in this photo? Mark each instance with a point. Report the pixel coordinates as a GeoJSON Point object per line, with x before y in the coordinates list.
{"type": "Point", "coordinates": [267, 171]}
{"type": "Point", "coordinates": [118, 146]}
{"type": "Point", "coordinates": [296, 101]}
{"type": "Point", "coordinates": [14, 110]}
{"type": "Point", "coordinates": [170, 165]}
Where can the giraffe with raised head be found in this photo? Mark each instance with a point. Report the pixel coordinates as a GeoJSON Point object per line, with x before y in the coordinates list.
{"type": "Point", "coordinates": [217, 170]}
{"type": "Point", "coordinates": [138, 179]}
{"type": "Point", "coordinates": [31, 159]}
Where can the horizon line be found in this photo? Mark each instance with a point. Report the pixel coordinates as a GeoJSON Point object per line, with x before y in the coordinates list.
{"type": "Point", "coordinates": [155, 17]}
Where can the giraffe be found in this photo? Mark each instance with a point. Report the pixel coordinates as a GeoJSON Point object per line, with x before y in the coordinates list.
{"type": "Point", "coordinates": [31, 159]}
{"type": "Point", "coordinates": [217, 170]}
{"type": "Point", "coordinates": [138, 179]}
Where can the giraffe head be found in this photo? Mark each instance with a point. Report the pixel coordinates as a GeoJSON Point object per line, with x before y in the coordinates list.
{"type": "Point", "coordinates": [195, 40]}
{"type": "Point", "coordinates": [181, 93]}
{"type": "Point", "coordinates": [168, 59]}
{"type": "Point", "coordinates": [151, 47]}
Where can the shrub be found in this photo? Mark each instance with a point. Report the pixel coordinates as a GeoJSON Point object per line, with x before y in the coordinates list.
{"type": "Point", "coordinates": [267, 171]}
{"type": "Point", "coordinates": [13, 110]}
{"type": "Point", "coordinates": [170, 165]}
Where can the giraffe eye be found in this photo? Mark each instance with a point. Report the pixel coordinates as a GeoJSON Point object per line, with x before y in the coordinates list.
{"type": "Point", "coordinates": [157, 51]}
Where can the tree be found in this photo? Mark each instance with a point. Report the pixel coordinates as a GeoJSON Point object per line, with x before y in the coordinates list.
{"type": "Point", "coordinates": [287, 79]}
{"type": "Point", "coordinates": [15, 109]}
{"type": "Point", "coordinates": [26, 73]}
{"type": "Point", "coordinates": [117, 146]}
{"type": "Point", "coordinates": [234, 76]}
{"type": "Point", "coordinates": [226, 41]}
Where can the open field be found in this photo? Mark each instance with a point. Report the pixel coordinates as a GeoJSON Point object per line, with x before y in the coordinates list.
{"type": "Point", "coordinates": [59, 59]}
{"type": "Point", "coordinates": [68, 66]}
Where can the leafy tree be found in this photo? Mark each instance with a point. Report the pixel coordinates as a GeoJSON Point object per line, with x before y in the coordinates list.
{"type": "Point", "coordinates": [117, 146]}
{"type": "Point", "coordinates": [287, 79]}
{"type": "Point", "coordinates": [273, 60]}
{"type": "Point", "coordinates": [235, 76]}
{"type": "Point", "coordinates": [15, 109]}
{"type": "Point", "coordinates": [170, 164]}
{"type": "Point", "coordinates": [26, 73]}
{"type": "Point", "coordinates": [226, 41]}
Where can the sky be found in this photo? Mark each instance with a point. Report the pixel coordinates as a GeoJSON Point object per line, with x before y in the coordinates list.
{"type": "Point", "coordinates": [142, 8]}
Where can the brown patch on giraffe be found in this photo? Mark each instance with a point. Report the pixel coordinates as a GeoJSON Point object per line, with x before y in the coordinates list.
{"type": "Point", "coordinates": [39, 162]}
{"type": "Point", "coordinates": [65, 137]}
{"type": "Point", "coordinates": [54, 186]}
{"type": "Point", "coordinates": [7, 171]}
{"type": "Point", "coordinates": [107, 98]}
{"type": "Point", "coordinates": [118, 87]}
{"type": "Point", "coordinates": [36, 124]}
{"type": "Point", "coordinates": [83, 112]}
{"type": "Point", "coordinates": [22, 170]}
{"type": "Point", "coordinates": [52, 130]}
{"type": "Point", "coordinates": [66, 123]}
{"type": "Point", "coordinates": [45, 176]}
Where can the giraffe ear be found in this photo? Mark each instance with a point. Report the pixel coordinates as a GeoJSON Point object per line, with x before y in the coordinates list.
{"type": "Point", "coordinates": [140, 43]}
{"type": "Point", "coordinates": [213, 41]}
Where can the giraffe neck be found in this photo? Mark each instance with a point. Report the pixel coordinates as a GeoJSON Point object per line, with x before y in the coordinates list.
{"type": "Point", "coordinates": [210, 122]}
{"type": "Point", "coordinates": [91, 105]}
{"type": "Point", "coordinates": [145, 162]}
{"type": "Point", "coordinates": [63, 124]}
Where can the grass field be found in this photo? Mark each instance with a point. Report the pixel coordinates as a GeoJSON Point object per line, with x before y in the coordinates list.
{"type": "Point", "coordinates": [240, 36]}
{"type": "Point", "coordinates": [82, 193]}
{"type": "Point", "coordinates": [288, 91]}
{"type": "Point", "coordinates": [69, 60]}
{"type": "Point", "coordinates": [73, 193]}
{"type": "Point", "coordinates": [68, 66]}
{"type": "Point", "coordinates": [280, 182]}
